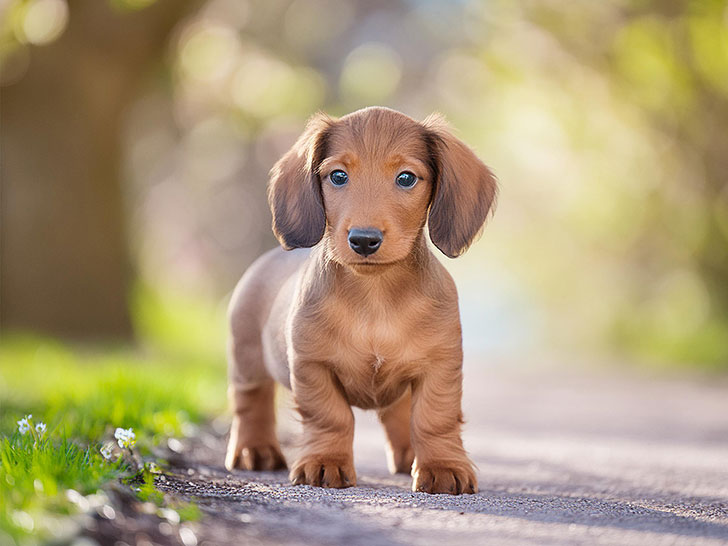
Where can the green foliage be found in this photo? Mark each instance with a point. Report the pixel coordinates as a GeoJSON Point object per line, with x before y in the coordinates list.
{"type": "Point", "coordinates": [145, 490]}
{"type": "Point", "coordinates": [84, 393]}
{"type": "Point", "coordinates": [673, 65]}
{"type": "Point", "coordinates": [88, 393]}
{"type": "Point", "coordinates": [35, 472]}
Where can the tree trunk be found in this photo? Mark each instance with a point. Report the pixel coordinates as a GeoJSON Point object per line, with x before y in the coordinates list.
{"type": "Point", "coordinates": [64, 264]}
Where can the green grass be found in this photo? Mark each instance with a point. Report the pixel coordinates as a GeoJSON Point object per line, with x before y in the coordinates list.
{"type": "Point", "coordinates": [171, 380]}
{"type": "Point", "coordinates": [35, 473]}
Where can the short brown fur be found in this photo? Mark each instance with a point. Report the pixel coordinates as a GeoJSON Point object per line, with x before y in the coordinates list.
{"type": "Point", "coordinates": [378, 332]}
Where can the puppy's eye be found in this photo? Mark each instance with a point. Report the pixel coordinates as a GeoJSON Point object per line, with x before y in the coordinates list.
{"type": "Point", "coordinates": [406, 179]}
{"type": "Point", "coordinates": [339, 178]}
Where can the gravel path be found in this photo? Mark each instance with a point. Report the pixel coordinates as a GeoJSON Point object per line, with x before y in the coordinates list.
{"type": "Point", "coordinates": [564, 458]}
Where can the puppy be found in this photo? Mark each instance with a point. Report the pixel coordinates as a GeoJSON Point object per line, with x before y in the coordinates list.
{"type": "Point", "coordinates": [359, 312]}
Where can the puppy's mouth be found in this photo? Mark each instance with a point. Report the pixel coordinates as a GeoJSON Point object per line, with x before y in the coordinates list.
{"type": "Point", "coordinates": [369, 267]}
{"type": "Point", "coordinates": [370, 262]}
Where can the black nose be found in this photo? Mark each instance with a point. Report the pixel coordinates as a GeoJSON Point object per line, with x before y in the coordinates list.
{"type": "Point", "coordinates": [365, 241]}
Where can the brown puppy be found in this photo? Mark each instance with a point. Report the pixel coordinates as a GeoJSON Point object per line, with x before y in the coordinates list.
{"type": "Point", "coordinates": [368, 317]}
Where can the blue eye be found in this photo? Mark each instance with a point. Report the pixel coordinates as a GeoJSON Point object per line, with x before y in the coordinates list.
{"type": "Point", "coordinates": [406, 179]}
{"type": "Point", "coordinates": [339, 178]}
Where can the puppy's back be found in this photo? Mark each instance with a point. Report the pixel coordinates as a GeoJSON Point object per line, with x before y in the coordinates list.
{"type": "Point", "coordinates": [253, 297]}
{"type": "Point", "coordinates": [257, 349]}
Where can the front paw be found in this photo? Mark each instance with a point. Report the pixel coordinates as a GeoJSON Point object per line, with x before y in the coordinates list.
{"type": "Point", "coordinates": [444, 478]}
{"type": "Point", "coordinates": [324, 471]}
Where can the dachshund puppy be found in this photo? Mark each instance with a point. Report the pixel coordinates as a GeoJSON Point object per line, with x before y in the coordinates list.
{"type": "Point", "coordinates": [362, 313]}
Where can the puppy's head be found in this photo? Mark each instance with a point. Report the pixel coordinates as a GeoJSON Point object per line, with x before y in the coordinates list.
{"type": "Point", "coordinates": [369, 181]}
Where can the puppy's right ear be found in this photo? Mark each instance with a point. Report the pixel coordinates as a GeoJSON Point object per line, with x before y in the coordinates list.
{"type": "Point", "coordinates": [294, 190]}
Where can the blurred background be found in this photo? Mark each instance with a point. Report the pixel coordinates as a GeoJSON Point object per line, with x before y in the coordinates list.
{"type": "Point", "coordinates": [137, 135]}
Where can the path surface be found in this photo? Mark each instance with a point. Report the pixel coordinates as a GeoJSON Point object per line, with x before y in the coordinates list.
{"type": "Point", "coordinates": [563, 458]}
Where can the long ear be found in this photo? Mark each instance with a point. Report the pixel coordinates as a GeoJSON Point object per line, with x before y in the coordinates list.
{"type": "Point", "coordinates": [465, 190]}
{"type": "Point", "coordinates": [294, 190]}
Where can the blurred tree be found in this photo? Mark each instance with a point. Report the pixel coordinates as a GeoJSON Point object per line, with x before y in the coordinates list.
{"type": "Point", "coordinates": [678, 75]}
{"type": "Point", "coordinates": [664, 220]}
{"type": "Point", "coordinates": [64, 261]}
{"type": "Point", "coordinates": [670, 60]}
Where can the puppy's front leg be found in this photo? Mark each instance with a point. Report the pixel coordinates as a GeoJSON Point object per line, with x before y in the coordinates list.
{"type": "Point", "coordinates": [328, 428]}
{"type": "Point", "coordinates": [441, 464]}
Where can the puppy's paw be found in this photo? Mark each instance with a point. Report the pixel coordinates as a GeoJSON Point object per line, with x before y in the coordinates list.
{"type": "Point", "coordinates": [400, 459]}
{"type": "Point", "coordinates": [324, 471]}
{"type": "Point", "coordinates": [444, 478]}
{"type": "Point", "coordinates": [260, 457]}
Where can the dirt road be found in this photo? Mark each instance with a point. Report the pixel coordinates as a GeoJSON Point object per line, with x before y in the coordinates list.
{"type": "Point", "coordinates": [564, 458]}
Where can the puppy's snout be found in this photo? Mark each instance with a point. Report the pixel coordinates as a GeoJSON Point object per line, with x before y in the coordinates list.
{"type": "Point", "coordinates": [365, 241]}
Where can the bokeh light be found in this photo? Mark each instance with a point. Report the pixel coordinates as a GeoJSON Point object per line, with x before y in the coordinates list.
{"type": "Point", "coordinates": [370, 75]}
{"type": "Point", "coordinates": [42, 21]}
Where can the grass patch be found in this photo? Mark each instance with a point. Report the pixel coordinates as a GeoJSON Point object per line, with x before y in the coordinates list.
{"type": "Point", "coordinates": [171, 380]}
{"type": "Point", "coordinates": [35, 474]}
{"type": "Point", "coordinates": [87, 393]}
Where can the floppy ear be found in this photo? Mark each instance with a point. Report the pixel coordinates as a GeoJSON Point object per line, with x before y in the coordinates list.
{"type": "Point", "coordinates": [465, 190]}
{"type": "Point", "coordinates": [294, 190]}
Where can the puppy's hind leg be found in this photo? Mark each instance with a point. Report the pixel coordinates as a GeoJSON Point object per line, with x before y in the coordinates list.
{"type": "Point", "coordinates": [253, 444]}
{"type": "Point", "coordinates": [396, 422]}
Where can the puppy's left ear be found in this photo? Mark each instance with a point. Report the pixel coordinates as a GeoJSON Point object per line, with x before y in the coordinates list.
{"type": "Point", "coordinates": [294, 190]}
{"type": "Point", "coordinates": [465, 190]}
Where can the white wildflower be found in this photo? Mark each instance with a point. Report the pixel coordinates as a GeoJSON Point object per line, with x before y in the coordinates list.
{"type": "Point", "coordinates": [125, 437]}
{"type": "Point", "coordinates": [40, 428]}
{"type": "Point", "coordinates": [24, 424]}
{"type": "Point", "coordinates": [106, 451]}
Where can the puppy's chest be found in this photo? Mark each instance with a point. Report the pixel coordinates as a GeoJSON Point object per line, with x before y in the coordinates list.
{"type": "Point", "coordinates": [375, 360]}
{"type": "Point", "coordinates": [373, 351]}
{"type": "Point", "coordinates": [372, 339]}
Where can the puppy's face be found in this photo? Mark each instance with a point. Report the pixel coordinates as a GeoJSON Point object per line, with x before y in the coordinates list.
{"type": "Point", "coordinates": [376, 186]}
{"type": "Point", "coordinates": [368, 182]}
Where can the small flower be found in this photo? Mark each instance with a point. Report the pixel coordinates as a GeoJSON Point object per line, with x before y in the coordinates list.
{"type": "Point", "coordinates": [125, 437]}
{"type": "Point", "coordinates": [40, 428]}
{"type": "Point", "coordinates": [24, 424]}
{"type": "Point", "coordinates": [106, 451]}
